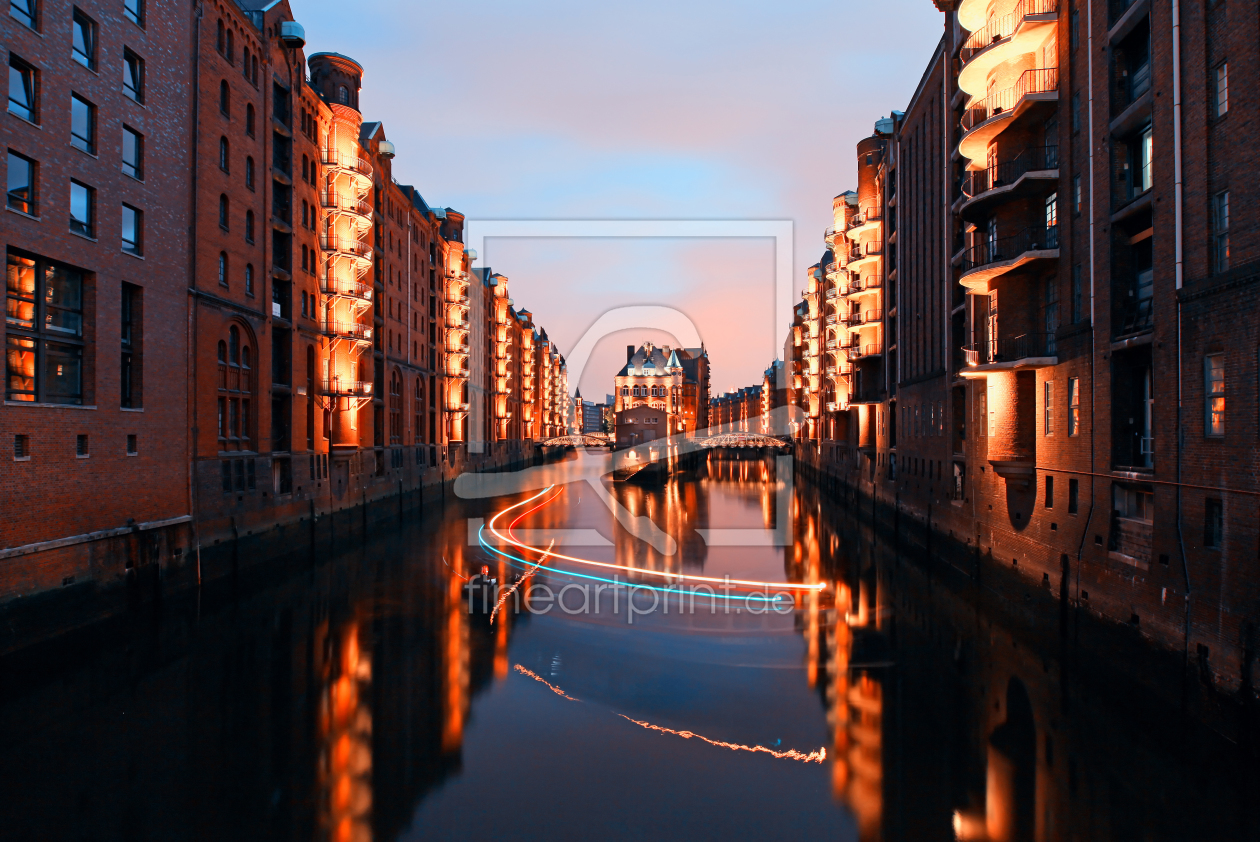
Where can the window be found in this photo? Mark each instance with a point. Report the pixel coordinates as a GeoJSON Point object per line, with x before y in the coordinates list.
{"type": "Point", "coordinates": [1074, 496]}
{"type": "Point", "coordinates": [1078, 295]}
{"type": "Point", "coordinates": [83, 40]}
{"type": "Point", "coordinates": [1076, 111]}
{"type": "Point", "coordinates": [343, 95]}
{"type": "Point", "coordinates": [223, 269]}
{"type": "Point", "coordinates": [44, 332]}
{"type": "Point", "coordinates": [1220, 231]}
{"type": "Point", "coordinates": [1052, 215]}
{"type": "Point", "coordinates": [1220, 91]}
{"type": "Point", "coordinates": [133, 447]}
{"type": "Point", "coordinates": [225, 155]}
{"type": "Point", "coordinates": [24, 11]}
{"type": "Point", "coordinates": [220, 36]}
{"type": "Point", "coordinates": [1137, 165]}
{"type": "Point", "coordinates": [1074, 28]}
{"type": "Point", "coordinates": [249, 226]}
{"type": "Point", "coordinates": [1213, 522]}
{"type": "Point", "coordinates": [1077, 197]}
{"type": "Point", "coordinates": [225, 98]}
{"type": "Point", "coordinates": [1049, 492]}
{"type": "Point", "coordinates": [131, 340]}
{"type": "Point", "coordinates": [253, 70]}
{"type": "Point", "coordinates": [132, 230]}
{"type": "Point", "coordinates": [231, 48]}
{"type": "Point", "coordinates": [1133, 503]}
{"type": "Point", "coordinates": [21, 448]}
{"type": "Point", "coordinates": [133, 153]}
{"type": "Point", "coordinates": [82, 209]}
{"type": "Point", "coordinates": [235, 387]}
{"type": "Point", "coordinates": [1049, 407]}
{"type": "Point", "coordinates": [223, 211]}
{"type": "Point", "coordinates": [245, 62]}
{"type": "Point", "coordinates": [249, 173]}
{"type": "Point", "coordinates": [1214, 395]}
{"type": "Point", "coordinates": [134, 10]}
{"type": "Point", "coordinates": [22, 90]}
{"type": "Point", "coordinates": [1074, 406]}
{"type": "Point", "coordinates": [22, 181]}
{"type": "Point", "coordinates": [249, 120]}
{"type": "Point", "coordinates": [249, 279]}
{"type": "Point", "coordinates": [82, 124]}
{"type": "Point", "coordinates": [133, 76]}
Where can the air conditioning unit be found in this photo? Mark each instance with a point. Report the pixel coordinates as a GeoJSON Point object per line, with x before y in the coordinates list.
{"type": "Point", "coordinates": [386, 149]}
{"type": "Point", "coordinates": [292, 35]}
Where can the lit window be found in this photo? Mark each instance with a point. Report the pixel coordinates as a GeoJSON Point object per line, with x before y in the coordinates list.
{"type": "Point", "coordinates": [132, 230]}
{"type": "Point", "coordinates": [1214, 394]}
{"type": "Point", "coordinates": [1049, 408]}
{"type": "Point", "coordinates": [83, 34]}
{"type": "Point", "coordinates": [44, 354]}
{"type": "Point", "coordinates": [1074, 406]}
{"type": "Point", "coordinates": [82, 124]}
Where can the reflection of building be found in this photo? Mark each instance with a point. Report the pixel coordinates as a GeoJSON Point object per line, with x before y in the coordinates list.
{"type": "Point", "coordinates": [672, 380]}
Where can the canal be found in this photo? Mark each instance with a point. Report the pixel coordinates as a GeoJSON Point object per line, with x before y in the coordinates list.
{"type": "Point", "coordinates": [344, 692]}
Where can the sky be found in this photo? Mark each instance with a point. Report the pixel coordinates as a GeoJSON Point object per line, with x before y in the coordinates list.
{"type": "Point", "coordinates": [561, 110]}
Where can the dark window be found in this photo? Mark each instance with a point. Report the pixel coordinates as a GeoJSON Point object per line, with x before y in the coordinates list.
{"type": "Point", "coordinates": [1049, 492]}
{"type": "Point", "coordinates": [1076, 111]}
{"type": "Point", "coordinates": [133, 76]}
{"type": "Point", "coordinates": [134, 10]}
{"type": "Point", "coordinates": [220, 36]}
{"type": "Point", "coordinates": [22, 181]}
{"type": "Point", "coordinates": [1220, 90]}
{"type": "Point", "coordinates": [81, 445]}
{"type": "Point", "coordinates": [1074, 28]}
{"type": "Point", "coordinates": [249, 120]}
{"type": "Point", "coordinates": [225, 98]}
{"type": "Point", "coordinates": [82, 209]}
{"type": "Point", "coordinates": [132, 339]}
{"type": "Point", "coordinates": [1220, 231]}
{"type": "Point", "coordinates": [83, 40]}
{"type": "Point", "coordinates": [249, 173]}
{"type": "Point", "coordinates": [23, 89]}
{"type": "Point", "coordinates": [280, 103]}
{"type": "Point", "coordinates": [21, 447]}
{"type": "Point", "coordinates": [133, 447]}
{"type": "Point", "coordinates": [1074, 493]}
{"type": "Point", "coordinates": [1213, 522]}
{"type": "Point", "coordinates": [132, 230]}
{"type": "Point", "coordinates": [225, 155]}
{"type": "Point", "coordinates": [82, 124]}
{"type": "Point", "coordinates": [231, 48]}
{"type": "Point", "coordinates": [44, 332]}
{"type": "Point", "coordinates": [1078, 294]}
{"type": "Point", "coordinates": [235, 387]}
{"type": "Point", "coordinates": [249, 279]}
{"type": "Point", "coordinates": [133, 153]}
{"type": "Point", "coordinates": [223, 269]}
{"type": "Point", "coordinates": [223, 211]}
{"type": "Point", "coordinates": [249, 226]}
{"type": "Point", "coordinates": [24, 11]}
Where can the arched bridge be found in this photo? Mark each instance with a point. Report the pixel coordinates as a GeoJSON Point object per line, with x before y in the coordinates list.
{"type": "Point", "coordinates": [578, 440]}
{"type": "Point", "coordinates": [741, 439]}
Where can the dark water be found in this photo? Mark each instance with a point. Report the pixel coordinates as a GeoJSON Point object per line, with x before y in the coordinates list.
{"type": "Point", "coordinates": [346, 693]}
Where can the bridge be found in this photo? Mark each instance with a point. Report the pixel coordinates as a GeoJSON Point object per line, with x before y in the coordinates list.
{"type": "Point", "coordinates": [742, 439]}
{"type": "Point", "coordinates": [578, 440]}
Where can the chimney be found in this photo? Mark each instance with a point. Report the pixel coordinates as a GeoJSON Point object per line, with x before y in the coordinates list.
{"type": "Point", "coordinates": [629, 353]}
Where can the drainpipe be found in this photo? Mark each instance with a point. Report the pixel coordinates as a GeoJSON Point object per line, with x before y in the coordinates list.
{"type": "Point", "coordinates": [1180, 268]}
{"type": "Point", "coordinates": [190, 356]}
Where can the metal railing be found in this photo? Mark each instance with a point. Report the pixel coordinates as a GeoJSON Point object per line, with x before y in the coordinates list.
{"type": "Point", "coordinates": [858, 351]}
{"type": "Point", "coordinates": [351, 204]}
{"type": "Point", "coordinates": [998, 28]}
{"type": "Point", "coordinates": [869, 317]}
{"type": "Point", "coordinates": [348, 289]}
{"type": "Point", "coordinates": [345, 245]}
{"type": "Point", "coordinates": [1008, 172]}
{"type": "Point", "coordinates": [340, 386]}
{"type": "Point", "coordinates": [347, 330]}
{"type": "Point", "coordinates": [1012, 349]}
{"type": "Point", "coordinates": [349, 163]}
{"type": "Point", "coordinates": [868, 249]}
{"type": "Point", "coordinates": [1008, 248]}
{"type": "Point", "coordinates": [1038, 81]}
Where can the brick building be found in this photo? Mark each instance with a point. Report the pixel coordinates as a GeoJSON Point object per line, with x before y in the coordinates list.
{"type": "Point", "coordinates": [95, 479]}
{"type": "Point", "coordinates": [1067, 384]}
{"type": "Point", "coordinates": [674, 380]}
{"type": "Point", "coordinates": [290, 331]}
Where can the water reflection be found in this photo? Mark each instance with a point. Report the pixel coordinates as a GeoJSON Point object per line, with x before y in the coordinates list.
{"type": "Point", "coordinates": [343, 692]}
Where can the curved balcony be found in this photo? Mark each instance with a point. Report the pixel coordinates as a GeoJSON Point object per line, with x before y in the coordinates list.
{"type": "Point", "coordinates": [1003, 38]}
{"type": "Point", "coordinates": [833, 269]}
{"type": "Point", "coordinates": [1030, 171]}
{"type": "Point", "coordinates": [357, 168]}
{"type": "Point", "coordinates": [871, 220]}
{"type": "Point", "coordinates": [358, 250]}
{"type": "Point", "coordinates": [865, 253]}
{"type": "Point", "coordinates": [990, 259]}
{"type": "Point", "coordinates": [986, 118]}
{"type": "Point", "coordinates": [1028, 350]}
{"type": "Point", "coordinates": [867, 318]}
{"type": "Point", "coordinates": [353, 290]}
{"type": "Point", "coordinates": [351, 331]}
{"type": "Point", "coordinates": [870, 285]}
{"type": "Point", "coordinates": [860, 351]}
{"type": "Point", "coordinates": [829, 237]}
{"type": "Point", "coordinates": [338, 387]}
{"type": "Point", "coordinates": [359, 210]}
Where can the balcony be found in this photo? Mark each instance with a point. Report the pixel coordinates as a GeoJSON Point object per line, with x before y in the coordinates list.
{"type": "Point", "coordinates": [1030, 171]}
{"type": "Point", "coordinates": [1003, 38]}
{"type": "Point", "coordinates": [859, 351]}
{"type": "Point", "coordinates": [989, 259]}
{"type": "Point", "coordinates": [346, 247]}
{"type": "Point", "coordinates": [859, 224]}
{"type": "Point", "coordinates": [867, 318]}
{"type": "Point", "coordinates": [357, 209]}
{"type": "Point", "coordinates": [341, 388]}
{"type": "Point", "coordinates": [865, 253]}
{"type": "Point", "coordinates": [354, 290]}
{"type": "Point", "coordinates": [986, 118]}
{"type": "Point", "coordinates": [1028, 350]}
{"type": "Point", "coordinates": [352, 331]}
{"type": "Point", "coordinates": [832, 292]}
{"type": "Point", "coordinates": [869, 285]}
{"type": "Point", "coordinates": [357, 168]}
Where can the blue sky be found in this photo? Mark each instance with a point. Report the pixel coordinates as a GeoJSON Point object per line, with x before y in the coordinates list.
{"type": "Point", "coordinates": [655, 110]}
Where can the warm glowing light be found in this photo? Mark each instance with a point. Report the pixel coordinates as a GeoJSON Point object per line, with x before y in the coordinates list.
{"type": "Point", "coordinates": [523, 671]}
{"type": "Point", "coordinates": [791, 754]}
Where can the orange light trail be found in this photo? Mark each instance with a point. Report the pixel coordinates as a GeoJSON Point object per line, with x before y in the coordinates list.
{"type": "Point", "coordinates": [538, 677]}
{"type": "Point", "coordinates": [504, 596]}
{"type": "Point", "coordinates": [791, 754]}
{"type": "Point", "coordinates": [744, 583]}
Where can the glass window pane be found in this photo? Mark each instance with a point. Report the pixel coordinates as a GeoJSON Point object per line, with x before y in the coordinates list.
{"type": "Point", "coordinates": [134, 9]}
{"type": "Point", "coordinates": [19, 356]}
{"type": "Point", "coordinates": [63, 373]}
{"type": "Point", "coordinates": [21, 91]}
{"type": "Point", "coordinates": [21, 184]}
{"type": "Point", "coordinates": [20, 293]}
{"type": "Point", "coordinates": [131, 152]}
{"type": "Point", "coordinates": [82, 132]}
{"type": "Point", "coordinates": [24, 11]}
{"type": "Point", "coordinates": [130, 229]}
{"type": "Point", "coordinates": [80, 208]}
{"type": "Point", "coordinates": [63, 300]}
{"type": "Point", "coordinates": [84, 50]}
